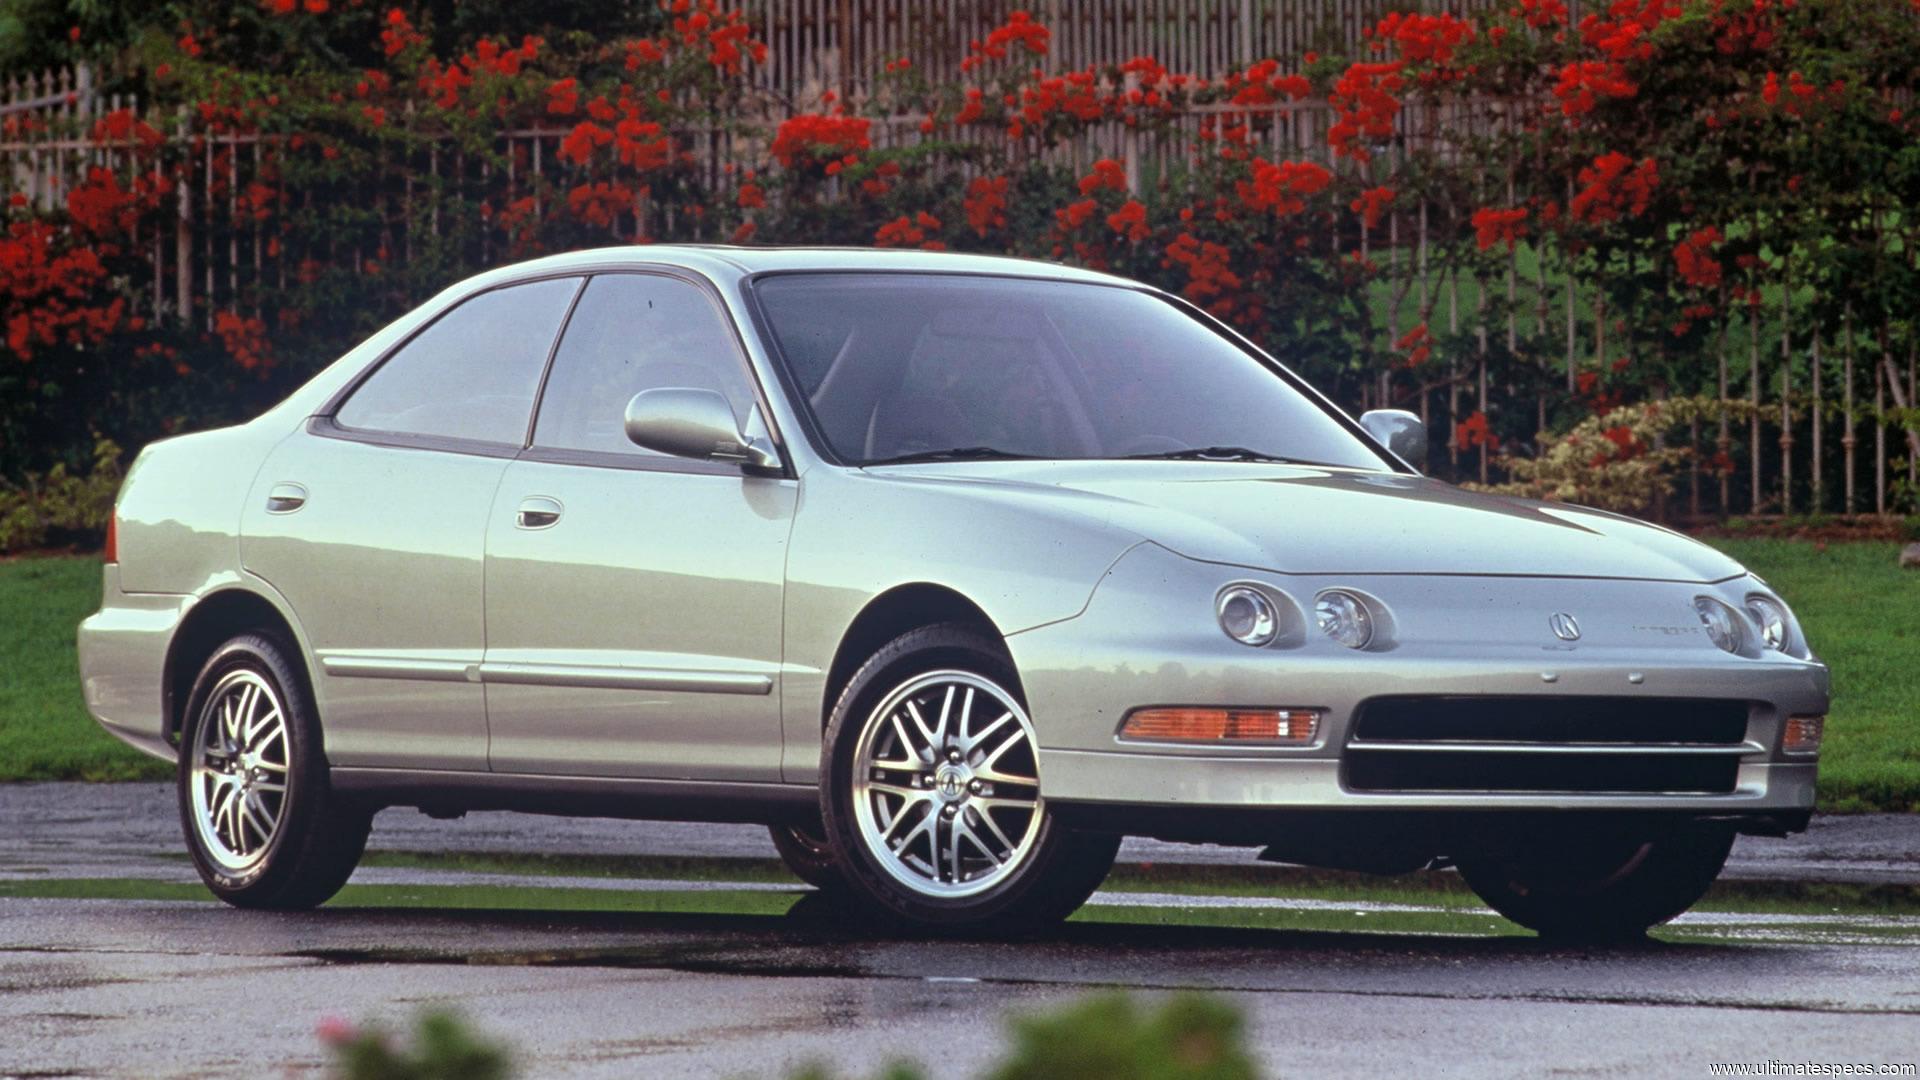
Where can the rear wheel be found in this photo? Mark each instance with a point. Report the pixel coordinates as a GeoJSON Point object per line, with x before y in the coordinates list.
{"type": "Point", "coordinates": [261, 820]}
{"type": "Point", "coordinates": [1601, 890]}
{"type": "Point", "coordinates": [933, 801]}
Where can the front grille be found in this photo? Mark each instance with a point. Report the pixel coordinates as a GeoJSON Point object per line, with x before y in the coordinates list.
{"type": "Point", "coordinates": [1544, 745]}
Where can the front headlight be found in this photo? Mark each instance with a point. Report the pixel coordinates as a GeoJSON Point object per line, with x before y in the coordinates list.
{"type": "Point", "coordinates": [1343, 617]}
{"type": "Point", "coordinates": [1770, 616]}
{"type": "Point", "coordinates": [1722, 622]}
{"type": "Point", "coordinates": [1247, 615]}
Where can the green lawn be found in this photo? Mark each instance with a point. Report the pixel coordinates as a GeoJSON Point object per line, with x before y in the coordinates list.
{"type": "Point", "coordinates": [1861, 611]}
{"type": "Point", "coordinates": [45, 732]}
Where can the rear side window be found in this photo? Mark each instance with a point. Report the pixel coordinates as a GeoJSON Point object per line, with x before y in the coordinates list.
{"type": "Point", "coordinates": [470, 375]}
{"type": "Point", "coordinates": [634, 332]}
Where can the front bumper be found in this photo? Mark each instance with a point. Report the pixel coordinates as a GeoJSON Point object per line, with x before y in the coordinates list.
{"type": "Point", "coordinates": [1148, 638]}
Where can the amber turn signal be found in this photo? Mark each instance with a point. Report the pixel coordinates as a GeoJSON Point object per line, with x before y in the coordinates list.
{"type": "Point", "coordinates": [1803, 734]}
{"type": "Point", "coordinates": [1188, 725]}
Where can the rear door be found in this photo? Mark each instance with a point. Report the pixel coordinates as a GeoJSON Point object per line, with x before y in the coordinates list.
{"type": "Point", "coordinates": [633, 603]}
{"type": "Point", "coordinates": [372, 523]}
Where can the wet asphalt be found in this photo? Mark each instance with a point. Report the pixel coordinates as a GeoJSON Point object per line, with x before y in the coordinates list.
{"type": "Point", "coordinates": [165, 988]}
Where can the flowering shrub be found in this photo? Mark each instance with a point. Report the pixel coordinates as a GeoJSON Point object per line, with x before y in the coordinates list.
{"type": "Point", "coordinates": [1668, 163]}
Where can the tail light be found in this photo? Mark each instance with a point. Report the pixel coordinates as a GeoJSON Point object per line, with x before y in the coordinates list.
{"type": "Point", "coordinates": [112, 552]}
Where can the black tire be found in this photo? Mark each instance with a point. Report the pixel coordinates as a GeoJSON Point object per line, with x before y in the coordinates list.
{"type": "Point", "coordinates": [317, 839]}
{"type": "Point", "coordinates": [803, 847]}
{"type": "Point", "coordinates": [1058, 872]}
{"type": "Point", "coordinates": [1602, 889]}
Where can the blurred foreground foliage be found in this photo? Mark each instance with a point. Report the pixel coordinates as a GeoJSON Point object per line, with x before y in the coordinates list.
{"type": "Point", "coordinates": [1102, 1037]}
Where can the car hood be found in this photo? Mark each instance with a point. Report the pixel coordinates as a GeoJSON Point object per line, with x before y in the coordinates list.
{"type": "Point", "coordinates": [1308, 520]}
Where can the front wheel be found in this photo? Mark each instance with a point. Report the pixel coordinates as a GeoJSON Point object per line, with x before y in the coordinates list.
{"type": "Point", "coordinates": [261, 820]}
{"type": "Point", "coordinates": [933, 802]}
{"type": "Point", "coordinates": [1602, 889]}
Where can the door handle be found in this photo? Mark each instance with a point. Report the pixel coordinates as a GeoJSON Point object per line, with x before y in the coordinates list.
{"type": "Point", "coordinates": [285, 498]}
{"type": "Point", "coordinates": [537, 512]}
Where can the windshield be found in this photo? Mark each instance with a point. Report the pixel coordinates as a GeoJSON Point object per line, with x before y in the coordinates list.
{"type": "Point", "coordinates": [925, 366]}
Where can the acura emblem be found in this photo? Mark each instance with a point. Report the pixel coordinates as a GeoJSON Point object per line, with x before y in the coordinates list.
{"type": "Point", "coordinates": [1564, 627]}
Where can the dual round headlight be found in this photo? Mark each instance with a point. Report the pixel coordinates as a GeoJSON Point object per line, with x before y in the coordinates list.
{"type": "Point", "coordinates": [1723, 624]}
{"type": "Point", "coordinates": [1727, 629]}
{"type": "Point", "coordinates": [1343, 617]}
{"type": "Point", "coordinates": [1253, 617]}
{"type": "Point", "coordinates": [1770, 616]}
{"type": "Point", "coordinates": [1247, 615]}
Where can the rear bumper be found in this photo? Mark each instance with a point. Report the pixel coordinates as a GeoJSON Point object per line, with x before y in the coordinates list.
{"type": "Point", "coordinates": [123, 656]}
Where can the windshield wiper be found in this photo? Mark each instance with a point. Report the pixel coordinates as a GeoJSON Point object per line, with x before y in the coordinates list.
{"type": "Point", "coordinates": [958, 453]}
{"type": "Point", "coordinates": [1218, 453]}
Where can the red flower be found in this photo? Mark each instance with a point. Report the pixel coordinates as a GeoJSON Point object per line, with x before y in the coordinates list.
{"type": "Point", "coordinates": [811, 138]}
{"type": "Point", "coordinates": [986, 203]}
{"type": "Point", "coordinates": [1130, 221]}
{"type": "Point", "coordinates": [910, 232]}
{"type": "Point", "coordinates": [1364, 105]}
{"type": "Point", "coordinates": [1416, 344]}
{"type": "Point", "coordinates": [751, 197]}
{"type": "Point", "coordinates": [1421, 39]}
{"type": "Point", "coordinates": [1540, 13]}
{"type": "Point", "coordinates": [1473, 432]}
{"type": "Point", "coordinates": [1613, 187]}
{"type": "Point", "coordinates": [1283, 187]}
{"type": "Point", "coordinates": [1693, 257]}
{"type": "Point", "coordinates": [1107, 174]}
{"type": "Point", "coordinates": [1492, 227]}
{"type": "Point", "coordinates": [1371, 203]}
{"type": "Point", "coordinates": [1583, 83]}
{"type": "Point", "coordinates": [1019, 29]}
{"type": "Point", "coordinates": [1074, 215]}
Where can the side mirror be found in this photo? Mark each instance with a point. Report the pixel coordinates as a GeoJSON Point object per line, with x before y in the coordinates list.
{"type": "Point", "coordinates": [693, 423]}
{"type": "Point", "coordinates": [1401, 432]}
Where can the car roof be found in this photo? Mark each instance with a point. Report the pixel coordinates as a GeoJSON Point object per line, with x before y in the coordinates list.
{"type": "Point", "coordinates": [731, 262]}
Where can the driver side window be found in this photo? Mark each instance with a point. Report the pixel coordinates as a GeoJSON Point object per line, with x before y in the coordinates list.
{"type": "Point", "coordinates": [634, 332]}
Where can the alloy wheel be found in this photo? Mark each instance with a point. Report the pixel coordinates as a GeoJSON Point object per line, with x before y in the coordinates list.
{"type": "Point", "coordinates": [240, 770]}
{"type": "Point", "coordinates": [946, 785]}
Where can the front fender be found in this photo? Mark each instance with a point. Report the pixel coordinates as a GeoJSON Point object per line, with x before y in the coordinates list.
{"type": "Point", "coordinates": [857, 536]}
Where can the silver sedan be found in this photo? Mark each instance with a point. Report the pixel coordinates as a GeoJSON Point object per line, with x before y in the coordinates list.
{"type": "Point", "coordinates": [951, 570]}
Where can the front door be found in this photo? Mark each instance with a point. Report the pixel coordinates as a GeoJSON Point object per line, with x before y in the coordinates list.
{"type": "Point", "coordinates": [633, 600]}
{"type": "Point", "coordinates": [372, 523]}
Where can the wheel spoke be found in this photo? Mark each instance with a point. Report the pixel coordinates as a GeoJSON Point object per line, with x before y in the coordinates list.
{"type": "Point", "coordinates": [953, 849]}
{"type": "Point", "coordinates": [909, 759]}
{"type": "Point", "coordinates": [911, 795]}
{"type": "Point", "coordinates": [933, 739]}
{"type": "Point", "coordinates": [988, 768]}
{"type": "Point", "coordinates": [256, 814]}
{"type": "Point", "coordinates": [946, 714]}
{"type": "Point", "coordinates": [980, 845]}
{"type": "Point", "coordinates": [985, 814]}
{"type": "Point", "coordinates": [960, 727]}
{"type": "Point", "coordinates": [264, 728]}
{"type": "Point", "coordinates": [985, 733]}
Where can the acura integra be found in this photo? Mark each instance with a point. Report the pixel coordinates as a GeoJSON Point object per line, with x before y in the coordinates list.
{"type": "Point", "coordinates": [951, 570]}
